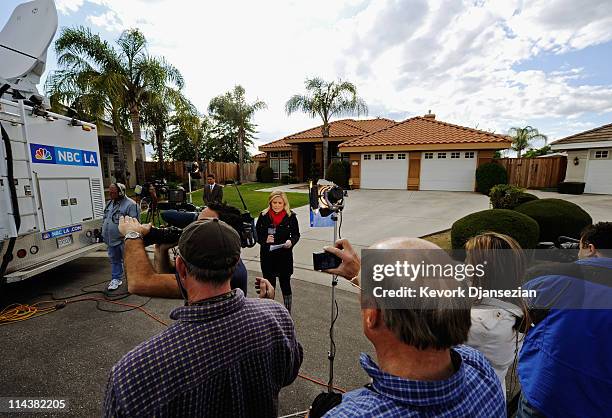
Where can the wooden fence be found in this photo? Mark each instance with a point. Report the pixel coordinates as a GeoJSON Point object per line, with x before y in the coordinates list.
{"type": "Point", "coordinates": [535, 173]}
{"type": "Point", "coordinates": [222, 171]}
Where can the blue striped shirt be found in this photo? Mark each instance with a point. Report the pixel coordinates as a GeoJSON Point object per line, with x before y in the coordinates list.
{"type": "Point", "coordinates": [472, 391]}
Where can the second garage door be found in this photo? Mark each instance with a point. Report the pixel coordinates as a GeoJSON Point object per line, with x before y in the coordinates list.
{"type": "Point", "coordinates": [448, 170]}
{"type": "Point", "coordinates": [384, 171]}
{"type": "Point", "coordinates": [599, 172]}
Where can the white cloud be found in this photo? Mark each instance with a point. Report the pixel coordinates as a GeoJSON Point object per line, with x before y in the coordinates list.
{"type": "Point", "coordinates": [406, 56]}
{"type": "Point", "coordinates": [68, 6]}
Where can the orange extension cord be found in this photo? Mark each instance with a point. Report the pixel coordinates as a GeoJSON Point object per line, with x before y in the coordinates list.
{"type": "Point", "coordinates": [22, 312]}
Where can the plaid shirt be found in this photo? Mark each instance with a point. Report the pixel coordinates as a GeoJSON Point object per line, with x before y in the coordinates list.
{"type": "Point", "coordinates": [224, 358]}
{"type": "Point", "coordinates": [472, 391]}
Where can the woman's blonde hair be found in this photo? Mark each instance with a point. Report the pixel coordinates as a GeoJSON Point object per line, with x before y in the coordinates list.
{"type": "Point", "coordinates": [488, 248]}
{"type": "Point", "coordinates": [274, 195]}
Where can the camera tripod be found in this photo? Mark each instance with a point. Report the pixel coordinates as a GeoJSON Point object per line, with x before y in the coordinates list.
{"type": "Point", "coordinates": [151, 209]}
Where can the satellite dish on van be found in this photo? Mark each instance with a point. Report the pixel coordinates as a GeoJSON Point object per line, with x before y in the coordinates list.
{"type": "Point", "coordinates": [24, 41]}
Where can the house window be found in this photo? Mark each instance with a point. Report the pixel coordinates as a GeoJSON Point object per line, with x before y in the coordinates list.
{"type": "Point", "coordinates": [429, 155]}
{"type": "Point", "coordinates": [469, 154]}
{"type": "Point", "coordinates": [455, 154]}
{"type": "Point", "coordinates": [601, 154]}
{"type": "Point", "coordinates": [441, 155]}
{"type": "Point", "coordinates": [378, 156]}
{"type": "Point", "coordinates": [273, 154]}
{"type": "Point", "coordinates": [389, 156]}
{"type": "Point", "coordinates": [401, 156]}
{"type": "Point", "coordinates": [367, 156]}
{"type": "Point", "coordinates": [274, 165]}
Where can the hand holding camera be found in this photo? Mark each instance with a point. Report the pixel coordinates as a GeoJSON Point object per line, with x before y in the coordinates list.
{"type": "Point", "coordinates": [350, 265]}
{"type": "Point", "coordinates": [129, 224]}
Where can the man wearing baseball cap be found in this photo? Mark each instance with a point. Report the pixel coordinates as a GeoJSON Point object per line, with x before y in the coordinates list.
{"type": "Point", "coordinates": [225, 355]}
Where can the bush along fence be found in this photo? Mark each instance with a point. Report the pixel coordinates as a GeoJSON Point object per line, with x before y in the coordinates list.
{"type": "Point", "coordinates": [534, 173]}
{"type": "Point", "coordinates": [175, 171]}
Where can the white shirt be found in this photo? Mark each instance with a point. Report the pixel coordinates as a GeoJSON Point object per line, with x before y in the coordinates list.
{"type": "Point", "coordinates": [493, 335]}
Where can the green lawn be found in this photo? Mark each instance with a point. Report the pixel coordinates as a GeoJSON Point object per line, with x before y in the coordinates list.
{"type": "Point", "coordinates": [255, 201]}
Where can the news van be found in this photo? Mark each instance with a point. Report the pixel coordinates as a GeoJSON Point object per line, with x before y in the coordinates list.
{"type": "Point", "coordinates": [51, 187]}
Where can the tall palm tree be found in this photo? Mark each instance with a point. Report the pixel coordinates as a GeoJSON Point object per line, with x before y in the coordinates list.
{"type": "Point", "coordinates": [232, 108]}
{"type": "Point", "coordinates": [326, 100]}
{"type": "Point", "coordinates": [157, 113]}
{"type": "Point", "coordinates": [131, 73]}
{"type": "Point", "coordinates": [522, 138]}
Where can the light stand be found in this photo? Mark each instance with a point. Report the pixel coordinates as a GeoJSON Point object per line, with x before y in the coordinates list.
{"type": "Point", "coordinates": [331, 354]}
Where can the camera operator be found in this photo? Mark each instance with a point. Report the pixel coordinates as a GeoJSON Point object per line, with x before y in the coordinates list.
{"type": "Point", "coordinates": [565, 368]}
{"type": "Point", "coordinates": [422, 369]}
{"type": "Point", "coordinates": [225, 355]}
{"type": "Point", "coordinates": [228, 214]}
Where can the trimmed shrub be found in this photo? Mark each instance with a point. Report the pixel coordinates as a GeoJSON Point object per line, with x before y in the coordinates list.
{"type": "Point", "coordinates": [556, 217]}
{"type": "Point", "coordinates": [504, 221]}
{"type": "Point", "coordinates": [505, 196]}
{"type": "Point", "coordinates": [571, 187]}
{"type": "Point", "coordinates": [267, 174]}
{"type": "Point", "coordinates": [524, 198]}
{"type": "Point", "coordinates": [339, 172]}
{"type": "Point", "coordinates": [284, 179]}
{"type": "Point", "coordinates": [489, 175]}
{"type": "Point", "coordinates": [258, 173]}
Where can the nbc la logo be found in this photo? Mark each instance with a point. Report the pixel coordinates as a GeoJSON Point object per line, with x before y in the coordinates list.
{"type": "Point", "coordinates": [42, 154]}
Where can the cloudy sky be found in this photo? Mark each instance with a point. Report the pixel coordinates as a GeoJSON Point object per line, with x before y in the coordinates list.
{"type": "Point", "coordinates": [485, 64]}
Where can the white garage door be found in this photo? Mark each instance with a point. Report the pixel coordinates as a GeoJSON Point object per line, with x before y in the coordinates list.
{"type": "Point", "coordinates": [384, 171]}
{"type": "Point", "coordinates": [599, 172]}
{"type": "Point", "coordinates": [448, 170]}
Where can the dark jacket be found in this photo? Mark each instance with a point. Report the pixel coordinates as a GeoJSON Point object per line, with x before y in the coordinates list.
{"type": "Point", "coordinates": [216, 195]}
{"type": "Point", "coordinates": [278, 262]}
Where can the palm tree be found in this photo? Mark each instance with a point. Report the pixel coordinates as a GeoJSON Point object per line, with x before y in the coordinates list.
{"type": "Point", "coordinates": [522, 137]}
{"type": "Point", "coordinates": [326, 100]}
{"type": "Point", "coordinates": [233, 109]}
{"type": "Point", "coordinates": [157, 113]}
{"type": "Point", "coordinates": [130, 72]}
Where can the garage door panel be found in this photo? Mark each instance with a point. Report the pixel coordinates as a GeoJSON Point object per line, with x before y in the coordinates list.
{"type": "Point", "coordinates": [598, 177]}
{"type": "Point", "coordinates": [384, 173]}
{"type": "Point", "coordinates": [454, 174]}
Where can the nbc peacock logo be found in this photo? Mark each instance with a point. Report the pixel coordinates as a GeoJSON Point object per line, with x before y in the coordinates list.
{"type": "Point", "coordinates": [43, 154]}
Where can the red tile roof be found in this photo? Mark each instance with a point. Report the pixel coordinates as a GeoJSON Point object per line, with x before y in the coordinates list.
{"type": "Point", "coordinates": [260, 156]}
{"type": "Point", "coordinates": [344, 128]}
{"type": "Point", "coordinates": [603, 133]}
{"type": "Point", "coordinates": [278, 144]}
{"type": "Point", "coordinates": [423, 130]}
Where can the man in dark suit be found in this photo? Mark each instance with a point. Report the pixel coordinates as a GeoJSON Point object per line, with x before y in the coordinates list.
{"type": "Point", "coordinates": [213, 192]}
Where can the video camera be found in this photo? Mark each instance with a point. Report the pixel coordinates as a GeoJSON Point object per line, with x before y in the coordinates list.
{"type": "Point", "coordinates": [244, 225]}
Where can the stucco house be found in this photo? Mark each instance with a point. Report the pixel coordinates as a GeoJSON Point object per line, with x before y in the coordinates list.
{"type": "Point", "coordinates": [589, 158]}
{"type": "Point", "coordinates": [419, 153]}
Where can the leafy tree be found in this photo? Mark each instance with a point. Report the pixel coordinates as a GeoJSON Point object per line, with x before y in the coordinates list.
{"type": "Point", "coordinates": [130, 75]}
{"type": "Point", "coordinates": [532, 153]}
{"type": "Point", "coordinates": [232, 116]}
{"type": "Point", "coordinates": [326, 100]}
{"type": "Point", "coordinates": [522, 138]}
{"type": "Point", "coordinates": [157, 113]}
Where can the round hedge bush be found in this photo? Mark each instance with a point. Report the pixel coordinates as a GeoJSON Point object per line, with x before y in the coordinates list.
{"type": "Point", "coordinates": [267, 174]}
{"type": "Point", "coordinates": [489, 175]}
{"type": "Point", "coordinates": [556, 217]}
{"type": "Point", "coordinates": [524, 198]}
{"type": "Point", "coordinates": [504, 221]}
